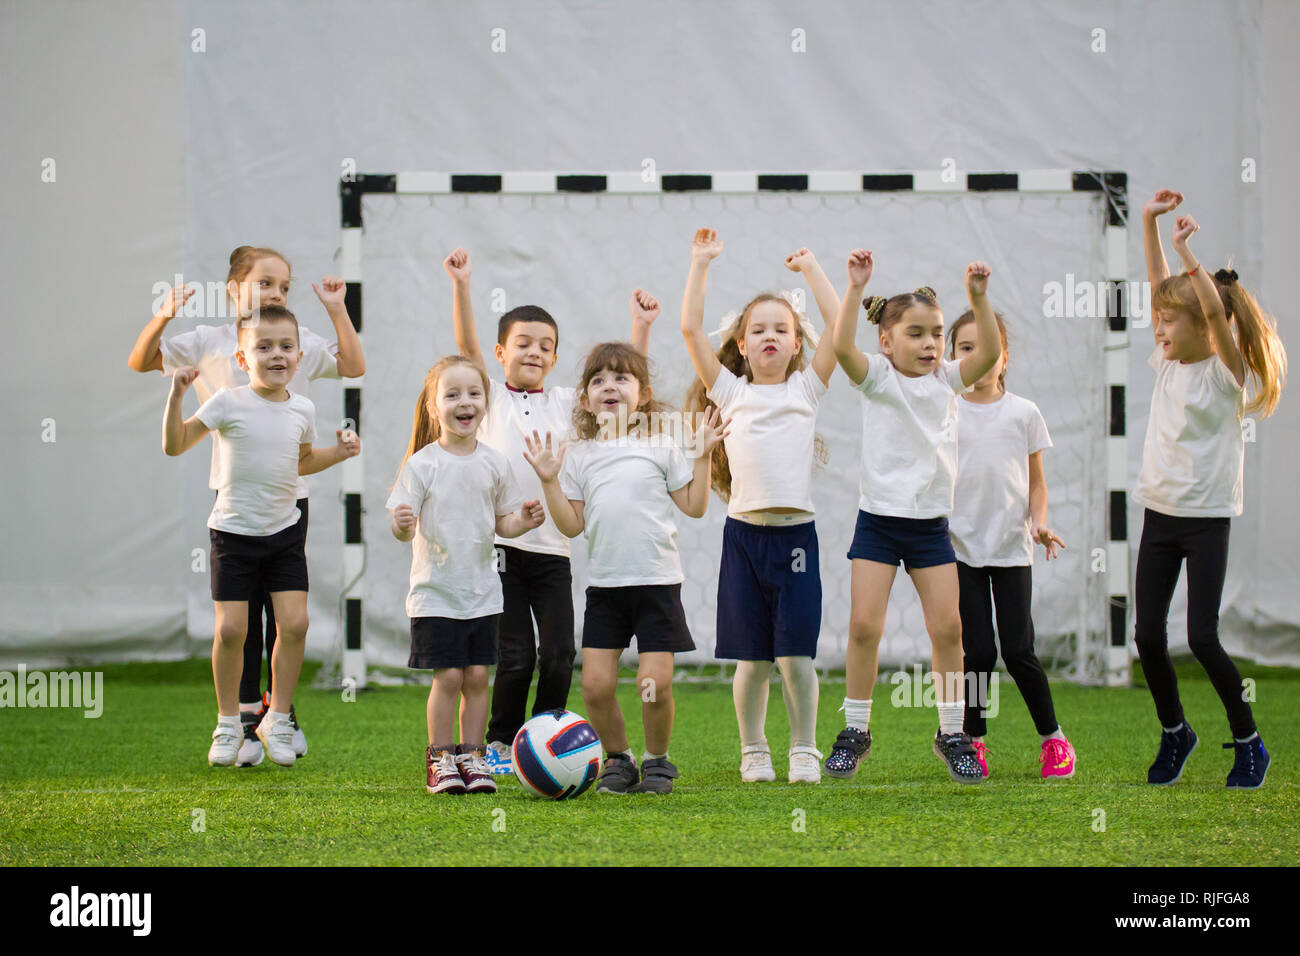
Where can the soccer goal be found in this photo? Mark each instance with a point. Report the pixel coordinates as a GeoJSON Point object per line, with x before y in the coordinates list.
{"type": "Point", "coordinates": [579, 244]}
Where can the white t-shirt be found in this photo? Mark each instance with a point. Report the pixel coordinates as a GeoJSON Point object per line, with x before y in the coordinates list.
{"type": "Point", "coordinates": [510, 416]}
{"type": "Point", "coordinates": [257, 445]}
{"type": "Point", "coordinates": [624, 486]}
{"type": "Point", "coordinates": [990, 522]}
{"type": "Point", "coordinates": [771, 439]}
{"type": "Point", "coordinates": [211, 349]}
{"type": "Point", "coordinates": [1194, 456]}
{"type": "Point", "coordinates": [456, 499]}
{"type": "Point", "coordinates": [909, 439]}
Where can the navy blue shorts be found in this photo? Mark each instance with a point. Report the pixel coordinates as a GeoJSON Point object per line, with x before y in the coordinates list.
{"type": "Point", "coordinates": [769, 591]}
{"type": "Point", "coordinates": [917, 542]}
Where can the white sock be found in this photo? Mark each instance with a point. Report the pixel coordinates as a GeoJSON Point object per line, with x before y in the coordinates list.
{"type": "Point", "coordinates": [629, 755]}
{"type": "Point", "coordinates": [1172, 730]}
{"type": "Point", "coordinates": [857, 713]}
{"type": "Point", "coordinates": [1246, 740]}
{"type": "Point", "coordinates": [649, 756]}
{"type": "Point", "coordinates": [1054, 735]}
{"type": "Point", "coordinates": [272, 716]}
{"type": "Point", "coordinates": [950, 716]}
{"type": "Point", "coordinates": [799, 687]}
{"type": "Point", "coordinates": [749, 690]}
{"type": "Point", "coordinates": [250, 708]}
{"type": "Point", "coordinates": [980, 740]}
{"type": "Point", "coordinates": [229, 722]}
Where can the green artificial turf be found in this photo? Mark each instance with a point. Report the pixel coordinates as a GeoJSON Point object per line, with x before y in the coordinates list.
{"type": "Point", "coordinates": [124, 789]}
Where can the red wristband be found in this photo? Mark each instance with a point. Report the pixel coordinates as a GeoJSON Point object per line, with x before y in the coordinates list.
{"type": "Point", "coordinates": [1194, 271]}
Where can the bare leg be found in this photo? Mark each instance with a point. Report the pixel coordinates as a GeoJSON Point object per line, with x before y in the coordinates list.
{"type": "Point", "coordinates": [291, 639]}
{"type": "Point", "coordinates": [654, 679]}
{"type": "Point", "coordinates": [599, 683]}
{"type": "Point", "coordinates": [441, 710]}
{"type": "Point", "coordinates": [228, 654]}
{"type": "Point", "coordinates": [869, 589]}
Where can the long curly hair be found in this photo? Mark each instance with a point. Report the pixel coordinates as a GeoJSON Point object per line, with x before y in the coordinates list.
{"type": "Point", "coordinates": [617, 357]}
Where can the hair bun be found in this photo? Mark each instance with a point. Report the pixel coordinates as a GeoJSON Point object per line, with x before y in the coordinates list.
{"type": "Point", "coordinates": [239, 252]}
{"type": "Point", "coordinates": [926, 291]}
{"type": "Point", "coordinates": [875, 306]}
{"type": "Point", "coordinates": [1226, 276]}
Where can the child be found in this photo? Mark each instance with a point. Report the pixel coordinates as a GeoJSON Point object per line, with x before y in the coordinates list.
{"type": "Point", "coordinates": [769, 584]}
{"type": "Point", "coordinates": [909, 461]}
{"type": "Point", "coordinates": [1191, 480]}
{"type": "Point", "coordinates": [262, 442]}
{"type": "Point", "coordinates": [618, 484]}
{"type": "Point", "coordinates": [257, 275]}
{"type": "Point", "coordinates": [535, 575]}
{"type": "Point", "coordinates": [999, 512]}
{"type": "Point", "coordinates": [457, 493]}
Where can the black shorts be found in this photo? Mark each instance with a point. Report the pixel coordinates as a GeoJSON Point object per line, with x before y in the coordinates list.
{"type": "Point", "coordinates": [441, 642]}
{"type": "Point", "coordinates": [245, 565]}
{"type": "Point", "coordinates": [653, 612]}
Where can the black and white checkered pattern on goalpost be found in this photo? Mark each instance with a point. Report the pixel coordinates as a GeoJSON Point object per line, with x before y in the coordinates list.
{"type": "Point", "coordinates": [629, 229]}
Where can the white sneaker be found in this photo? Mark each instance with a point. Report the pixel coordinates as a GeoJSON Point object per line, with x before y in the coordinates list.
{"type": "Point", "coordinates": [805, 765]}
{"type": "Point", "coordinates": [278, 739]}
{"type": "Point", "coordinates": [299, 738]}
{"type": "Point", "coordinates": [225, 746]}
{"type": "Point", "coordinates": [756, 765]}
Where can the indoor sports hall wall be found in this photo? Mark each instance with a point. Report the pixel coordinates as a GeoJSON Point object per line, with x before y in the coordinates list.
{"type": "Point", "coordinates": [169, 156]}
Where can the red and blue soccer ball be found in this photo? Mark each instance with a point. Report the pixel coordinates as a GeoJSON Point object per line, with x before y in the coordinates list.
{"type": "Point", "coordinates": [556, 755]}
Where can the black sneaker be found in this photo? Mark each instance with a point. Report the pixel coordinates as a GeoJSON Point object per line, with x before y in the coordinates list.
{"type": "Point", "coordinates": [250, 748]}
{"type": "Point", "coordinates": [1175, 748]}
{"type": "Point", "coordinates": [1250, 765]}
{"type": "Point", "coordinates": [657, 776]}
{"type": "Point", "coordinates": [619, 775]}
{"type": "Point", "coordinates": [851, 747]}
{"type": "Point", "coordinates": [957, 751]}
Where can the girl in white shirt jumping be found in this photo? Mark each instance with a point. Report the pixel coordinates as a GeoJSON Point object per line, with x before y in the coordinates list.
{"type": "Point", "coordinates": [1191, 480]}
{"type": "Point", "coordinates": [769, 582]}
{"type": "Point", "coordinates": [909, 463]}
{"type": "Point", "coordinates": [619, 484]}
{"type": "Point", "coordinates": [999, 513]}
{"type": "Point", "coordinates": [453, 495]}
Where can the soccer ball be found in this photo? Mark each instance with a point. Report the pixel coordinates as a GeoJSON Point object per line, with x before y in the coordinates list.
{"type": "Point", "coordinates": [556, 755]}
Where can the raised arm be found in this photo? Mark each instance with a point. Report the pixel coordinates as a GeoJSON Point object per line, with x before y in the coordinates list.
{"type": "Point", "coordinates": [462, 313]}
{"type": "Point", "coordinates": [645, 309]}
{"type": "Point", "coordinates": [850, 357]}
{"type": "Point", "coordinates": [704, 249]}
{"type": "Point", "coordinates": [1207, 294]}
{"type": "Point", "coordinates": [332, 293]}
{"type": "Point", "coordinates": [692, 499]}
{"type": "Point", "coordinates": [146, 354]}
{"type": "Point", "coordinates": [180, 436]}
{"type": "Point", "coordinates": [1157, 269]}
{"type": "Point", "coordinates": [988, 343]}
{"type": "Point", "coordinates": [567, 513]}
{"type": "Point", "coordinates": [828, 304]}
{"type": "Point", "coordinates": [312, 460]}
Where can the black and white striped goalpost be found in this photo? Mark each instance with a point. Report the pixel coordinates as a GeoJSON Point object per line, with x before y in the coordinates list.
{"type": "Point", "coordinates": [1115, 668]}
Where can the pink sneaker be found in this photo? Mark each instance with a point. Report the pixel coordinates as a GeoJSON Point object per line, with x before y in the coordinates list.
{"type": "Point", "coordinates": [1057, 759]}
{"type": "Point", "coordinates": [981, 756]}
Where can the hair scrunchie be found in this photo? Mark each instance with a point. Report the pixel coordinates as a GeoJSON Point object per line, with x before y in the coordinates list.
{"type": "Point", "coordinates": [926, 291]}
{"type": "Point", "coordinates": [1226, 276]}
{"type": "Point", "coordinates": [875, 306]}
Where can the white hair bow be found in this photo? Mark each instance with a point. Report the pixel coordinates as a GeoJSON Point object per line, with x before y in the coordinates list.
{"type": "Point", "coordinates": [727, 328]}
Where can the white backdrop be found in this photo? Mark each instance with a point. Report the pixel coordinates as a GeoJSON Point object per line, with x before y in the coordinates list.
{"type": "Point", "coordinates": [168, 157]}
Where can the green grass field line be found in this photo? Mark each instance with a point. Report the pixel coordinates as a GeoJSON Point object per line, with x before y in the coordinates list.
{"type": "Point", "coordinates": [123, 789]}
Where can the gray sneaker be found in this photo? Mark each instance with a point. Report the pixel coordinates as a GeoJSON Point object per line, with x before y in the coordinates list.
{"type": "Point", "coordinates": [619, 775]}
{"type": "Point", "coordinates": [657, 776]}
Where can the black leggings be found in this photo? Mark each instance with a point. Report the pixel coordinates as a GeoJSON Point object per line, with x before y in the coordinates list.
{"type": "Point", "coordinates": [1166, 541]}
{"type": "Point", "coordinates": [538, 585]}
{"type": "Point", "coordinates": [1012, 589]}
{"type": "Point", "coordinates": [250, 681]}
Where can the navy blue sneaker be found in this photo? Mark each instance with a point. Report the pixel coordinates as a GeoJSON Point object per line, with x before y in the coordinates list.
{"type": "Point", "coordinates": [958, 754]}
{"type": "Point", "coordinates": [1175, 748]}
{"type": "Point", "coordinates": [851, 747]}
{"type": "Point", "coordinates": [1250, 765]}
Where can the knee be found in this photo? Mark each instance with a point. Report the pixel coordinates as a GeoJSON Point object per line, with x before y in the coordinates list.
{"type": "Point", "coordinates": [292, 627]}
{"type": "Point", "coordinates": [945, 631]}
{"type": "Point", "coordinates": [450, 679]}
{"type": "Point", "coordinates": [474, 681]}
{"type": "Point", "coordinates": [980, 659]}
{"type": "Point", "coordinates": [655, 687]}
{"type": "Point", "coordinates": [597, 689]}
{"type": "Point", "coordinates": [231, 635]}
{"type": "Point", "coordinates": [864, 631]}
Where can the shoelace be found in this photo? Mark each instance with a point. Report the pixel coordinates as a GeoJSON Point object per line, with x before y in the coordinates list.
{"type": "Point", "coordinates": [446, 764]}
{"type": "Point", "coordinates": [1055, 752]}
{"type": "Point", "coordinates": [476, 764]}
{"type": "Point", "coordinates": [1244, 759]}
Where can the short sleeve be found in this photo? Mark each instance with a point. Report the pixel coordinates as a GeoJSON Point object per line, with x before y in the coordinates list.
{"type": "Point", "coordinates": [1037, 430]}
{"type": "Point", "coordinates": [319, 356]}
{"type": "Point", "coordinates": [1156, 358]}
{"type": "Point", "coordinates": [571, 474]}
{"type": "Point", "coordinates": [876, 372]}
{"type": "Point", "coordinates": [309, 425]}
{"type": "Point", "coordinates": [1222, 377]}
{"type": "Point", "coordinates": [678, 469]}
{"type": "Point", "coordinates": [726, 388]}
{"type": "Point", "coordinates": [811, 386]}
{"type": "Point", "coordinates": [409, 490]}
{"type": "Point", "coordinates": [215, 411]}
{"type": "Point", "coordinates": [181, 350]}
{"type": "Point", "coordinates": [506, 496]}
{"type": "Point", "coordinates": [952, 373]}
